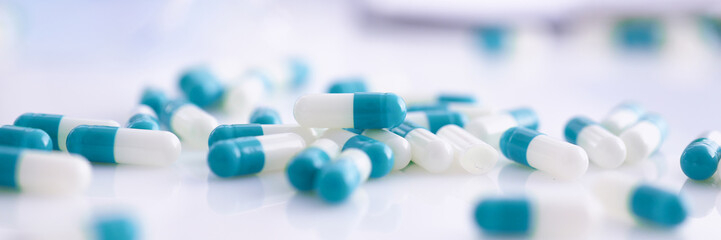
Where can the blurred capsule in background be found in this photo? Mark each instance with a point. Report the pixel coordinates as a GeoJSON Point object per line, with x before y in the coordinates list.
{"type": "Point", "coordinates": [190, 123]}
{"type": "Point", "coordinates": [58, 126]}
{"type": "Point", "coordinates": [427, 149]}
{"type": "Point", "coordinates": [700, 159]}
{"type": "Point", "coordinates": [143, 117]}
{"type": "Point", "coordinates": [471, 153]}
{"type": "Point", "coordinates": [556, 157]}
{"type": "Point", "coordinates": [225, 132]}
{"type": "Point", "coordinates": [265, 115]}
{"type": "Point", "coordinates": [604, 149]}
{"type": "Point", "coordinates": [441, 98]}
{"type": "Point", "coordinates": [350, 110]}
{"type": "Point", "coordinates": [42, 171]}
{"type": "Point", "coordinates": [434, 120]}
{"type": "Point", "coordinates": [348, 85]}
{"type": "Point", "coordinates": [23, 137]}
{"type": "Point", "coordinates": [201, 87]}
{"type": "Point", "coordinates": [492, 39]}
{"type": "Point", "coordinates": [490, 128]}
{"type": "Point", "coordinates": [250, 155]}
{"type": "Point", "coordinates": [622, 117]}
{"type": "Point", "coordinates": [114, 225]}
{"type": "Point", "coordinates": [380, 154]}
{"type": "Point", "coordinates": [639, 34]}
{"type": "Point", "coordinates": [124, 145]}
{"type": "Point", "coordinates": [339, 179]}
{"type": "Point", "coordinates": [154, 98]}
{"type": "Point", "coordinates": [645, 137]}
{"type": "Point", "coordinates": [302, 170]}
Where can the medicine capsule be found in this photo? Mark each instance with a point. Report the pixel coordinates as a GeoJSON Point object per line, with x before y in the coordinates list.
{"type": "Point", "coordinates": [224, 132]}
{"type": "Point", "coordinates": [400, 146]}
{"type": "Point", "coordinates": [467, 110]}
{"type": "Point", "coordinates": [531, 148]}
{"type": "Point", "coordinates": [436, 119]}
{"type": "Point", "coordinates": [251, 155]}
{"type": "Point", "coordinates": [190, 123]}
{"type": "Point", "coordinates": [700, 159]}
{"type": "Point", "coordinates": [350, 110]}
{"type": "Point", "coordinates": [144, 118]}
{"type": "Point", "coordinates": [42, 171]}
{"type": "Point", "coordinates": [22, 137]}
{"type": "Point", "coordinates": [645, 137]}
{"type": "Point", "coordinates": [243, 95]}
{"type": "Point", "coordinates": [490, 128]}
{"type": "Point", "coordinates": [124, 145]}
{"type": "Point", "coordinates": [265, 115]}
{"type": "Point", "coordinates": [303, 169]}
{"type": "Point", "coordinates": [348, 85]}
{"type": "Point", "coordinates": [337, 180]}
{"type": "Point", "coordinates": [603, 147]}
{"type": "Point", "coordinates": [58, 126]}
{"type": "Point", "coordinates": [443, 98]}
{"type": "Point", "coordinates": [427, 150]}
{"type": "Point", "coordinates": [201, 87]}
{"type": "Point", "coordinates": [622, 117]}
{"type": "Point", "coordinates": [112, 225]}
{"type": "Point", "coordinates": [155, 99]}
{"type": "Point", "coordinates": [474, 155]}
{"type": "Point", "coordinates": [381, 156]}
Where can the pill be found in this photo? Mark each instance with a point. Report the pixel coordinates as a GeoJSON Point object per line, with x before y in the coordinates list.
{"type": "Point", "coordinates": [348, 85]}
{"type": "Point", "coordinates": [645, 137]}
{"type": "Point", "coordinates": [468, 110]}
{"type": "Point", "coordinates": [43, 172]}
{"type": "Point", "coordinates": [124, 145]}
{"type": "Point", "coordinates": [114, 225]}
{"type": "Point", "coordinates": [350, 110]}
{"type": "Point", "coordinates": [23, 137]}
{"type": "Point", "coordinates": [427, 150]}
{"type": "Point", "coordinates": [457, 98]}
{"type": "Point", "coordinates": [400, 146]}
{"type": "Point", "coordinates": [265, 115]}
{"type": "Point", "coordinates": [337, 180]}
{"type": "Point", "coordinates": [474, 155]}
{"type": "Point", "coordinates": [251, 155]}
{"type": "Point", "coordinates": [287, 74]}
{"type": "Point", "coordinates": [380, 154]}
{"type": "Point", "coordinates": [531, 148]}
{"type": "Point", "coordinates": [144, 118]}
{"type": "Point", "coordinates": [700, 159]}
{"type": "Point", "coordinates": [490, 128]}
{"type": "Point", "coordinates": [442, 98]}
{"type": "Point", "coordinates": [434, 120]}
{"type": "Point", "coordinates": [58, 126]}
{"type": "Point", "coordinates": [155, 99]}
{"type": "Point", "coordinates": [603, 147]}
{"type": "Point", "coordinates": [190, 123]}
{"type": "Point", "coordinates": [224, 132]}
{"type": "Point", "coordinates": [303, 169]}
{"type": "Point", "coordinates": [622, 117]}
{"type": "Point", "coordinates": [201, 87]}
{"type": "Point", "coordinates": [243, 95]}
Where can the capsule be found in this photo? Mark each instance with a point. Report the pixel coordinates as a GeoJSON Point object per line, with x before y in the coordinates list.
{"type": "Point", "coordinates": [287, 74]}
{"type": "Point", "coordinates": [155, 99]}
{"type": "Point", "coordinates": [124, 145]}
{"type": "Point", "coordinates": [622, 117]}
{"type": "Point", "coordinates": [603, 147]}
{"type": "Point", "coordinates": [531, 148]}
{"type": "Point", "coordinates": [42, 171]}
{"type": "Point", "coordinates": [700, 159]}
{"type": "Point", "coordinates": [468, 110]}
{"type": "Point", "coordinates": [22, 137]}
{"type": "Point", "coordinates": [112, 225]}
{"type": "Point", "coordinates": [144, 118]}
{"type": "Point", "coordinates": [265, 115]}
{"type": "Point", "coordinates": [645, 137]}
{"type": "Point", "coordinates": [381, 156]}
{"type": "Point", "coordinates": [190, 123]}
{"type": "Point", "coordinates": [251, 155]}
{"type": "Point", "coordinates": [348, 85]}
{"type": "Point", "coordinates": [243, 95]}
{"type": "Point", "coordinates": [490, 128]}
{"type": "Point", "coordinates": [443, 98]}
{"type": "Point", "coordinates": [58, 126]}
{"type": "Point", "coordinates": [434, 120]}
{"type": "Point", "coordinates": [400, 146]}
{"type": "Point", "coordinates": [303, 169]}
{"type": "Point", "coordinates": [201, 87]}
{"type": "Point", "coordinates": [337, 180]}
{"type": "Point", "coordinates": [350, 110]}
{"type": "Point", "coordinates": [474, 155]}
{"type": "Point", "coordinates": [224, 132]}
{"type": "Point", "coordinates": [427, 150]}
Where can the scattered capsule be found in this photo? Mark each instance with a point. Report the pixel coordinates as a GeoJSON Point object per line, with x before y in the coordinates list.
{"type": "Point", "coordinates": [427, 150]}
{"type": "Point", "coordinates": [622, 117]}
{"type": "Point", "coordinates": [474, 155]}
{"type": "Point", "coordinates": [144, 118]}
{"type": "Point", "coordinates": [124, 145]}
{"type": "Point", "coordinates": [350, 110]}
{"type": "Point", "coordinates": [58, 126]}
{"type": "Point", "coordinates": [337, 180]}
{"type": "Point", "coordinates": [201, 87]}
{"type": "Point", "coordinates": [436, 119]}
{"type": "Point", "coordinates": [603, 147]}
{"type": "Point", "coordinates": [243, 95]}
{"type": "Point", "coordinates": [443, 98]}
{"type": "Point", "coordinates": [303, 169]}
{"type": "Point", "coordinates": [468, 110]}
{"type": "Point", "coordinates": [190, 123]}
{"type": "Point", "coordinates": [265, 115]}
{"type": "Point", "coordinates": [700, 159]}
{"type": "Point", "coordinates": [287, 74]}
{"type": "Point", "coordinates": [251, 155]}
{"type": "Point", "coordinates": [531, 148]}
{"type": "Point", "coordinates": [155, 99]}
{"type": "Point", "coordinates": [23, 137]}
{"type": "Point", "coordinates": [645, 137]}
{"type": "Point", "coordinates": [400, 146]}
{"type": "Point", "coordinates": [42, 171]}
{"type": "Point", "coordinates": [224, 132]}
{"type": "Point", "coordinates": [114, 226]}
{"type": "Point", "coordinates": [348, 85]}
{"type": "Point", "coordinates": [457, 98]}
{"type": "Point", "coordinates": [490, 128]}
{"type": "Point", "coordinates": [380, 154]}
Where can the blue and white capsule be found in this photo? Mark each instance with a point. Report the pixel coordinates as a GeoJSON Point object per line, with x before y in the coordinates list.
{"type": "Point", "coordinates": [155, 99]}
{"type": "Point", "coordinates": [700, 159]}
{"type": "Point", "coordinates": [470, 111]}
{"type": "Point", "coordinates": [442, 98]}
{"type": "Point", "coordinates": [427, 150]}
{"type": "Point", "coordinates": [645, 137]}
{"type": "Point", "coordinates": [225, 132]}
{"type": "Point", "coordinates": [251, 155]}
{"type": "Point", "coordinates": [348, 85]}
{"type": "Point", "coordinates": [303, 169]}
{"type": "Point", "coordinates": [380, 154]}
{"type": "Point", "coordinates": [622, 117]}
{"type": "Point", "coordinates": [190, 123]}
{"type": "Point", "coordinates": [472, 154]}
{"type": "Point", "coordinates": [265, 115]}
{"type": "Point", "coordinates": [124, 145]}
{"type": "Point", "coordinates": [350, 110]}
{"type": "Point", "coordinates": [434, 120]}
{"type": "Point", "coordinates": [536, 150]}
{"type": "Point", "coordinates": [58, 126]}
{"type": "Point", "coordinates": [144, 118]}
{"type": "Point", "coordinates": [400, 146]}
{"type": "Point", "coordinates": [201, 87]}
{"type": "Point", "coordinates": [42, 171]}
{"type": "Point", "coordinates": [23, 137]}
{"type": "Point", "coordinates": [338, 180]}
{"type": "Point", "coordinates": [603, 147]}
{"type": "Point", "coordinates": [490, 128]}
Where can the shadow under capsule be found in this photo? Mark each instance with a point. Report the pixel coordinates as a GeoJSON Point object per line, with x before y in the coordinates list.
{"type": "Point", "coordinates": [327, 221]}
{"type": "Point", "coordinates": [700, 196]}
{"type": "Point", "coordinates": [242, 194]}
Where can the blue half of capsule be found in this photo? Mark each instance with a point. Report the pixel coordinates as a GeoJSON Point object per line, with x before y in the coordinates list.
{"type": "Point", "coordinates": [264, 115]}
{"type": "Point", "coordinates": [348, 85]}
{"type": "Point", "coordinates": [574, 127]}
{"type": "Point", "coordinates": [456, 98]}
{"type": "Point", "coordinates": [657, 206]}
{"type": "Point", "coordinates": [96, 143]}
{"type": "Point", "coordinates": [9, 158]}
{"type": "Point", "coordinates": [155, 99]}
{"type": "Point", "coordinates": [525, 117]}
{"type": "Point", "coordinates": [143, 121]}
{"type": "Point", "coordinates": [380, 154]}
{"type": "Point", "coordinates": [505, 216]}
{"type": "Point", "coordinates": [235, 157]}
{"type": "Point", "coordinates": [201, 87]}
{"type": "Point", "coordinates": [305, 166]}
{"type": "Point", "coordinates": [46, 122]}
{"type": "Point", "coordinates": [377, 110]}
{"type": "Point", "coordinates": [438, 119]}
{"type": "Point", "coordinates": [405, 128]}
{"type": "Point", "coordinates": [225, 132]}
{"type": "Point", "coordinates": [514, 143]}
{"type": "Point", "coordinates": [23, 137]}
{"type": "Point", "coordinates": [337, 181]}
{"type": "Point", "coordinates": [700, 159]}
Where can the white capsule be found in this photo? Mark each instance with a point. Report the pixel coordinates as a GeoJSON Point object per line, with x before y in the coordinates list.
{"type": "Point", "coordinates": [603, 147]}
{"type": "Point", "coordinates": [192, 125]}
{"type": "Point", "coordinates": [474, 155]}
{"type": "Point", "coordinates": [401, 147]}
{"type": "Point", "coordinates": [531, 148]}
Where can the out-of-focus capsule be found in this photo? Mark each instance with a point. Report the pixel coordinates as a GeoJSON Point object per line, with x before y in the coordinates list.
{"type": "Point", "coordinates": [457, 98]}
{"type": "Point", "coordinates": [22, 137]}
{"type": "Point", "coordinates": [400, 146]}
{"type": "Point", "coordinates": [380, 154]}
{"type": "Point", "coordinates": [443, 98]}
{"type": "Point", "coordinates": [531, 148]}
{"type": "Point", "coordinates": [468, 110]}
{"type": "Point", "coordinates": [622, 117]}
{"type": "Point", "coordinates": [474, 155]}
{"type": "Point", "coordinates": [427, 150]}
{"type": "Point", "coordinates": [124, 145]}
{"type": "Point", "coordinates": [604, 149]}
{"type": "Point", "coordinates": [114, 226]}
{"type": "Point", "coordinates": [434, 120]}
{"type": "Point", "coordinates": [265, 115]}
{"type": "Point", "coordinates": [700, 159]}
{"type": "Point", "coordinates": [190, 123]}
{"type": "Point", "coordinates": [303, 169]}
{"type": "Point", "coordinates": [155, 99]}
{"type": "Point", "coordinates": [287, 74]}
{"type": "Point", "coordinates": [224, 132]}
{"type": "Point", "coordinates": [490, 128]}
{"type": "Point", "coordinates": [348, 85]}
{"type": "Point", "coordinates": [337, 180]}
{"type": "Point", "coordinates": [144, 118]}
{"type": "Point", "coordinates": [243, 95]}
{"type": "Point", "coordinates": [645, 137]}
{"type": "Point", "coordinates": [201, 87]}
{"type": "Point", "coordinates": [42, 171]}
{"type": "Point", "coordinates": [58, 126]}
{"type": "Point", "coordinates": [250, 155]}
{"type": "Point", "coordinates": [350, 110]}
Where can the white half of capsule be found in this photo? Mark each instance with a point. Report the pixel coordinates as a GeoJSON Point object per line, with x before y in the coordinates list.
{"type": "Point", "coordinates": [241, 97]}
{"type": "Point", "coordinates": [146, 147]}
{"type": "Point", "coordinates": [429, 151]}
{"type": "Point", "coordinates": [603, 147]}
{"type": "Point", "coordinates": [193, 126]}
{"type": "Point", "coordinates": [641, 140]}
{"type": "Point", "coordinates": [360, 159]}
{"type": "Point", "coordinates": [144, 109]}
{"type": "Point", "coordinates": [400, 146]}
{"type": "Point", "coordinates": [339, 136]}
{"type": "Point", "coordinates": [279, 149]}
{"type": "Point", "coordinates": [561, 217]}
{"type": "Point", "coordinates": [474, 155]}
{"type": "Point", "coordinates": [52, 172]}
{"type": "Point", "coordinates": [491, 128]}
{"type": "Point", "coordinates": [325, 110]}
{"type": "Point", "coordinates": [306, 133]}
{"type": "Point", "coordinates": [712, 135]}
{"type": "Point", "coordinates": [419, 118]}
{"type": "Point", "coordinates": [614, 191]}
{"type": "Point", "coordinates": [68, 123]}
{"type": "Point", "coordinates": [472, 111]}
{"type": "Point", "coordinates": [558, 158]}
{"type": "Point", "coordinates": [328, 146]}
{"type": "Point", "coordinates": [620, 119]}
